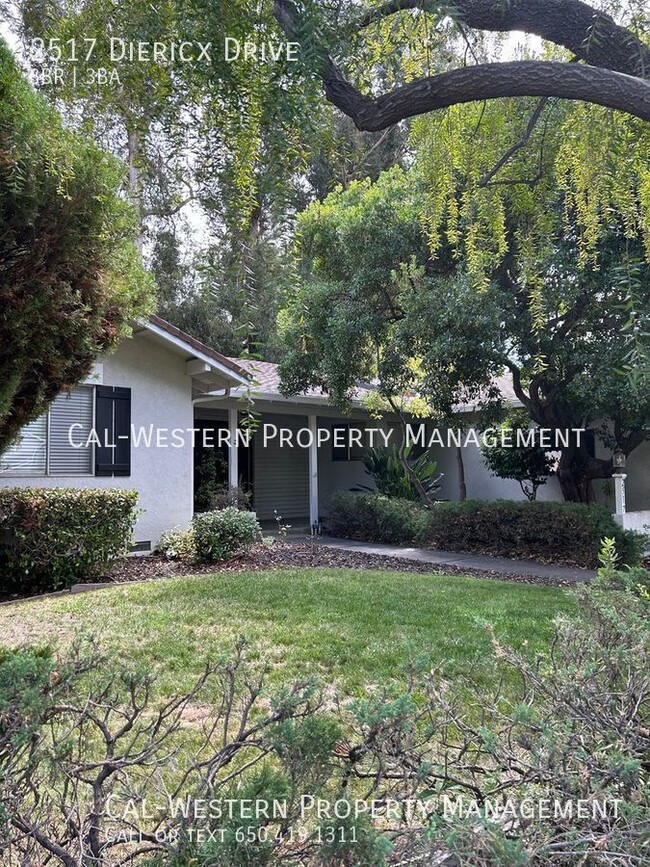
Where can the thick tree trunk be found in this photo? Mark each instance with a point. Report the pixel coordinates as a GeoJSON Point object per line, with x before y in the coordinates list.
{"type": "Point", "coordinates": [566, 476]}
{"type": "Point", "coordinates": [577, 471]}
{"type": "Point", "coordinates": [462, 486]}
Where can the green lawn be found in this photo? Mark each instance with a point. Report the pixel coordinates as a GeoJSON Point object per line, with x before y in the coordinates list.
{"type": "Point", "coordinates": [351, 627]}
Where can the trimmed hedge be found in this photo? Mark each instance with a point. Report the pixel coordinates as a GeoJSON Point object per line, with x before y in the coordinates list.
{"type": "Point", "coordinates": [224, 534]}
{"type": "Point", "coordinates": [565, 533]}
{"type": "Point", "coordinates": [569, 533]}
{"type": "Point", "coordinates": [375, 518]}
{"type": "Point", "coordinates": [52, 538]}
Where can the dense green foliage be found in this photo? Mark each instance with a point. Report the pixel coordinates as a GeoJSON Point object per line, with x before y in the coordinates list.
{"type": "Point", "coordinates": [222, 155]}
{"type": "Point", "coordinates": [569, 533]}
{"type": "Point", "coordinates": [566, 533]}
{"type": "Point", "coordinates": [224, 296]}
{"type": "Point", "coordinates": [395, 475]}
{"type": "Point", "coordinates": [70, 277]}
{"type": "Point", "coordinates": [224, 534]}
{"type": "Point", "coordinates": [528, 465]}
{"type": "Point", "coordinates": [375, 518]}
{"type": "Point", "coordinates": [374, 303]}
{"type": "Point", "coordinates": [53, 538]}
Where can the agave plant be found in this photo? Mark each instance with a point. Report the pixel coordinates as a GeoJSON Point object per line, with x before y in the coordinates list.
{"type": "Point", "coordinates": [394, 479]}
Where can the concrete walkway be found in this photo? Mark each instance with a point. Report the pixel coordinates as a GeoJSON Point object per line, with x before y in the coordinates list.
{"type": "Point", "coordinates": [469, 561]}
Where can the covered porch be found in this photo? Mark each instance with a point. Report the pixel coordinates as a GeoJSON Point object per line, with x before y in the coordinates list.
{"type": "Point", "coordinates": [279, 463]}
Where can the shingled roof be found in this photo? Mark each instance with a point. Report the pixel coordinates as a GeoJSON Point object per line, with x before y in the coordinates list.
{"type": "Point", "coordinates": [265, 378]}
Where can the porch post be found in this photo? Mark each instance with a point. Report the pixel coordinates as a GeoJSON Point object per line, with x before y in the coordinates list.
{"type": "Point", "coordinates": [233, 463]}
{"type": "Point", "coordinates": [313, 471]}
{"type": "Point", "coordinates": [619, 492]}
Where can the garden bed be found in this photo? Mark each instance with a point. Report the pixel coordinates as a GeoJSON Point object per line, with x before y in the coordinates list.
{"type": "Point", "coordinates": [307, 554]}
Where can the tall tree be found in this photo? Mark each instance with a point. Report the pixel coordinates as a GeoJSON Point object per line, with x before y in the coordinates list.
{"type": "Point", "coordinates": [373, 302]}
{"type": "Point", "coordinates": [225, 300]}
{"type": "Point", "coordinates": [71, 279]}
{"type": "Point", "coordinates": [194, 128]}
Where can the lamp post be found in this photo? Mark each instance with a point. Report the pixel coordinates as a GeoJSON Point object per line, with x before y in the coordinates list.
{"type": "Point", "coordinates": [618, 462]}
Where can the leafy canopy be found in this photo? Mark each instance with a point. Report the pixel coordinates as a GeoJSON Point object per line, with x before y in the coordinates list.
{"type": "Point", "coordinates": [374, 303]}
{"type": "Point", "coordinates": [71, 279]}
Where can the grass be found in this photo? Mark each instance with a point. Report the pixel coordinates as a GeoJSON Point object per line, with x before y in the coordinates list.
{"type": "Point", "coordinates": [351, 627]}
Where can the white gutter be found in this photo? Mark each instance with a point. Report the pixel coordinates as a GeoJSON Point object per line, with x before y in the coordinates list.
{"type": "Point", "coordinates": [212, 395]}
{"type": "Point", "coordinates": [298, 400]}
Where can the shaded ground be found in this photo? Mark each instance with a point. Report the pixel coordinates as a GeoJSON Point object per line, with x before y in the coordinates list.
{"type": "Point", "coordinates": [307, 554]}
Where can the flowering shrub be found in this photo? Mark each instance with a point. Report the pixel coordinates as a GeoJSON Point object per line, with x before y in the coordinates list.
{"type": "Point", "coordinates": [211, 537]}
{"type": "Point", "coordinates": [177, 544]}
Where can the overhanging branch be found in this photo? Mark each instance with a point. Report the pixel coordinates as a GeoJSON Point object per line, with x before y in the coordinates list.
{"type": "Point", "coordinates": [589, 33]}
{"type": "Point", "coordinates": [614, 78]}
{"type": "Point", "coordinates": [490, 81]}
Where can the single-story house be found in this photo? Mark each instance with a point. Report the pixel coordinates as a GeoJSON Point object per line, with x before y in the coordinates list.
{"type": "Point", "coordinates": [147, 414]}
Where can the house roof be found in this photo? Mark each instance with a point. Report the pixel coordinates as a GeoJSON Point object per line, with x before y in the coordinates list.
{"type": "Point", "coordinates": [265, 379]}
{"type": "Point", "coordinates": [181, 339]}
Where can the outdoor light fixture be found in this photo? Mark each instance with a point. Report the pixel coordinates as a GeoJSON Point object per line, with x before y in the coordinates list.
{"type": "Point", "coordinates": [618, 458]}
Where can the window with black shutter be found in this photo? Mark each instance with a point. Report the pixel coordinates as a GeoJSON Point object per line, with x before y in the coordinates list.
{"type": "Point", "coordinates": [113, 427]}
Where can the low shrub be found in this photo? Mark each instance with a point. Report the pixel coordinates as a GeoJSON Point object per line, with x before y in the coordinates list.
{"type": "Point", "coordinates": [177, 544]}
{"type": "Point", "coordinates": [554, 532]}
{"type": "Point", "coordinates": [375, 518]}
{"type": "Point", "coordinates": [224, 534]}
{"type": "Point", "coordinates": [51, 538]}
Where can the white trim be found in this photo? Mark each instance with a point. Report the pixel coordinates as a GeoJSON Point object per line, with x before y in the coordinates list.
{"type": "Point", "coordinates": [313, 470]}
{"type": "Point", "coordinates": [297, 400]}
{"type": "Point", "coordinates": [226, 371]}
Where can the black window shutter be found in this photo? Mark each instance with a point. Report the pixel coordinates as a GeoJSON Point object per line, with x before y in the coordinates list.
{"type": "Point", "coordinates": [105, 428]}
{"type": "Point", "coordinates": [113, 426]}
{"type": "Point", "coordinates": [122, 416]}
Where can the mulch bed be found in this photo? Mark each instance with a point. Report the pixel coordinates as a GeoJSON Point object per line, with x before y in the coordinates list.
{"type": "Point", "coordinates": [281, 554]}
